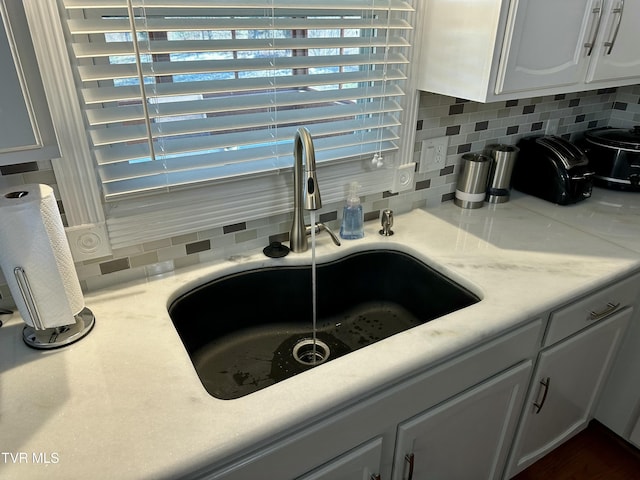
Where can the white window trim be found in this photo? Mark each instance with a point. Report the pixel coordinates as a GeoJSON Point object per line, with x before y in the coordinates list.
{"type": "Point", "coordinates": [74, 173]}
{"type": "Point", "coordinates": [76, 176]}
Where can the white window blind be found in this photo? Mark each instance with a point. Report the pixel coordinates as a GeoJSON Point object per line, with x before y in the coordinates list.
{"type": "Point", "coordinates": [214, 90]}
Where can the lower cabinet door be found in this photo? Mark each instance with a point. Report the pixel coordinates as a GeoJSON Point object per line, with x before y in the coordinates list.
{"type": "Point", "coordinates": [361, 463]}
{"type": "Point", "coordinates": [466, 437]}
{"type": "Point", "coordinates": [568, 378]}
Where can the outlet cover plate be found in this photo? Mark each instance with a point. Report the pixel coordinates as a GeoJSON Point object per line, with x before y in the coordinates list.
{"type": "Point", "coordinates": [88, 242]}
{"type": "Point", "coordinates": [403, 178]}
{"type": "Point", "coordinates": [433, 155]}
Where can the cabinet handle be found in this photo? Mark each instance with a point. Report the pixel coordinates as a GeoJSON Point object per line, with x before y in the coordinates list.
{"type": "Point", "coordinates": [609, 309]}
{"type": "Point", "coordinates": [596, 11]}
{"type": "Point", "coordinates": [409, 458]}
{"type": "Point", "coordinates": [375, 477]}
{"type": "Point", "coordinates": [619, 10]}
{"type": "Point", "coordinates": [545, 385]}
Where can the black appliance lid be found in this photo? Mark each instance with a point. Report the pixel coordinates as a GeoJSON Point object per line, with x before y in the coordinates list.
{"type": "Point", "coordinates": [615, 137]}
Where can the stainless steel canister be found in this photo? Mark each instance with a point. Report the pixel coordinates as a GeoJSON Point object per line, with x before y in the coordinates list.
{"type": "Point", "coordinates": [503, 159]}
{"type": "Point", "coordinates": [472, 181]}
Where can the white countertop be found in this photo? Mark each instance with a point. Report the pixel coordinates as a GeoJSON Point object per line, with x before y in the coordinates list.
{"type": "Point", "coordinates": [125, 402]}
{"type": "Point", "coordinates": [609, 214]}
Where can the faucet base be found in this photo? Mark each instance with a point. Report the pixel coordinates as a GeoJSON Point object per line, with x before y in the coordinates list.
{"type": "Point", "coordinates": [276, 250]}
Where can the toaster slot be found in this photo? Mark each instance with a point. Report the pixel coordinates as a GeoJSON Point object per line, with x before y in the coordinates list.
{"type": "Point", "coordinates": [570, 155]}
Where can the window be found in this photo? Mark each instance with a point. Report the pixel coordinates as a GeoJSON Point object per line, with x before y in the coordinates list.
{"type": "Point", "coordinates": [190, 127]}
{"type": "Point", "coordinates": [208, 93]}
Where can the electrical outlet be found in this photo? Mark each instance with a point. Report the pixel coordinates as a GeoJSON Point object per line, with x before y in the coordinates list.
{"type": "Point", "coordinates": [403, 178]}
{"type": "Point", "coordinates": [434, 154]}
{"type": "Point", "coordinates": [88, 241]}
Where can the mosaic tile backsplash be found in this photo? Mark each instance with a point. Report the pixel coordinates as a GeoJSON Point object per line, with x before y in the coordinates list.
{"type": "Point", "coordinates": [470, 126]}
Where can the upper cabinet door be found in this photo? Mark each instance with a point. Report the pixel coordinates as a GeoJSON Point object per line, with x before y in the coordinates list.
{"type": "Point", "coordinates": [26, 129]}
{"type": "Point", "coordinates": [546, 44]}
{"type": "Point", "coordinates": [616, 51]}
{"type": "Point", "coordinates": [16, 122]}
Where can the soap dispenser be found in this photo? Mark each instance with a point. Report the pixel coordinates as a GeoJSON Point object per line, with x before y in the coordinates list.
{"type": "Point", "coordinates": [352, 216]}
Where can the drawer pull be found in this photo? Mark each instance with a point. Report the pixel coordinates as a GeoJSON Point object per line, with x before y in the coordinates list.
{"type": "Point", "coordinates": [545, 385]}
{"type": "Point", "coordinates": [609, 309]}
{"type": "Point", "coordinates": [410, 458]}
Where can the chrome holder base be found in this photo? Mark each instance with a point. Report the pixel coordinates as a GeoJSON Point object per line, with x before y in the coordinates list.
{"type": "Point", "coordinates": [58, 337]}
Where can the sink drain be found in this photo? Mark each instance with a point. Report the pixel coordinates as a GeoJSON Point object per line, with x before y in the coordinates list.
{"type": "Point", "coordinates": [303, 352]}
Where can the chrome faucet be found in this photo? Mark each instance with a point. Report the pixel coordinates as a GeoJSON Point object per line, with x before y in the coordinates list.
{"type": "Point", "coordinates": [306, 194]}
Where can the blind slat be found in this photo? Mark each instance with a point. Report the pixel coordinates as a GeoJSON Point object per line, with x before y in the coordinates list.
{"type": "Point", "coordinates": [125, 153]}
{"type": "Point", "coordinates": [128, 93]}
{"type": "Point", "coordinates": [88, 26]}
{"type": "Point", "coordinates": [159, 47]}
{"type": "Point", "coordinates": [305, 5]}
{"type": "Point", "coordinates": [243, 121]}
{"type": "Point", "coordinates": [326, 149]}
{"type": "Point", "coordinates": [197, 105]}
{"type": "Point", "coordinates": [118, 71]}
{"type": "Point", "coordinates": [168, 181]}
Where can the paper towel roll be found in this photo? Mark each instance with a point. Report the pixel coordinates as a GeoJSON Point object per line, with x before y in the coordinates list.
{"type": "Point", "coordinates": [32, 238]}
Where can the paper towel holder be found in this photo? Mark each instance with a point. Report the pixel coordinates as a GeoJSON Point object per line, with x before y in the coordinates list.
{"type": "Point", "coordinates": [43, 338]}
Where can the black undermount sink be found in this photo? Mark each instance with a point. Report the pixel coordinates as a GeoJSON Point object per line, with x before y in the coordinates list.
{"type": "Point", "coordinates": [249, 330]}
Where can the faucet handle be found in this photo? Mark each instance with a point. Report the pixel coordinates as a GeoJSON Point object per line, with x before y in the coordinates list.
{"type": "Point", "coordinates": [387, 222]}
{"type": "Point", "coordinates": [321, 227]}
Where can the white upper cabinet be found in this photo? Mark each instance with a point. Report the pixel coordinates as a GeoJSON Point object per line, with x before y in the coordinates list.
{"type": "Point", "coordinates": [490, 50]}
{"type": "Point", "coordinates": [615, 56]}
{"type": "Point", "coordinates": [543, 45]}
{"type": "Point", "coordinates": [26, 129]}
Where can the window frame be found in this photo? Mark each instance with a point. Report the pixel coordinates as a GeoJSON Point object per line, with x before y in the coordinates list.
{"type": "Point", "coordinates": [95, 227]}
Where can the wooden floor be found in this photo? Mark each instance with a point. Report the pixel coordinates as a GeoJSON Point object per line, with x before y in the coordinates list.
{"type": "Point", "coordinates": [594, 454]}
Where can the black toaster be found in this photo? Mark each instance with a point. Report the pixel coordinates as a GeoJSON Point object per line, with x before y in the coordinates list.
{"type": "Point", "coordinates": [552, 168]}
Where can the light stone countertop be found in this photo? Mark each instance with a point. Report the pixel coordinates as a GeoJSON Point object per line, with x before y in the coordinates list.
{"type": "Point", "coordinates": [125, 402]}
{"type": "Point", "coordinates": [609, 214]}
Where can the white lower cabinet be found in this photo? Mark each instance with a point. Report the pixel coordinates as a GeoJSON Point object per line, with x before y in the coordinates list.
{"type": "Point", "coordinates": [362, 462]}
{"type": "Point", "coordinates": [567, 381]}
{"type": "Point", "coordinates": [466, 437]}
{"type": "Point", "coordinates": [480, 414]}
{"type": "Point", "coordinates": [473, 398]}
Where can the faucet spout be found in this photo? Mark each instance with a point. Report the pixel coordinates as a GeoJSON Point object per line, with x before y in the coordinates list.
{"type": "Point", "coordinates": [306, 195]}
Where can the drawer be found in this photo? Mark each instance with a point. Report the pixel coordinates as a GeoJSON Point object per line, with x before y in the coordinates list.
{"type": "Point", "coordinates": [590, 309]}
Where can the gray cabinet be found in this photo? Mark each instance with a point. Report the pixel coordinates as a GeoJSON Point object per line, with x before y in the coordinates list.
{"type": "Point", "coordinates": [491, 50]}
{"type": "Point", "coordinates": [581, 344]}
{"type": "Point", "coordinates": [568, 379]}
{"type": "Point", "coordinates": [484, 386]}
{"type": "Point", "coordinates": [26, 130]}
{"type": "Point", "coordinates": [362, 462]}
{"type": "Point", "coordinates": [619, 407]}
{"type": "Point", "coordinates": [466, 437]}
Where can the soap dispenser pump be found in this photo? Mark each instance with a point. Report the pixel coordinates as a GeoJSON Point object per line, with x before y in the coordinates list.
{"type": "Point", "coordinates": [352, 216]}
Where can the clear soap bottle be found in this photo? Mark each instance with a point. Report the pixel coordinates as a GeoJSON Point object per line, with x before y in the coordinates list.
{"type": "Point", "coordinates": [352, 216]}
